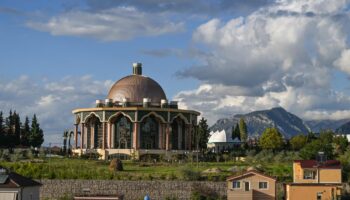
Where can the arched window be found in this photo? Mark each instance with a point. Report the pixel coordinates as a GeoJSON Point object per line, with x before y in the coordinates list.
{"type": "Point", "coordinates": [122, 133]}
{"type": "Point", "coordinates": [178, 134]}
{"type": "Point", "coordinates": [94, 133]}
{"type": "Point", "coordinates": [149, 133]}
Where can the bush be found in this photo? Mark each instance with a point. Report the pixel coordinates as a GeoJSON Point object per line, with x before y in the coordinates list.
{"type": "Point", "coordinates": [116, 165]}
{"type": "Point", "coordinates": [190, 175]}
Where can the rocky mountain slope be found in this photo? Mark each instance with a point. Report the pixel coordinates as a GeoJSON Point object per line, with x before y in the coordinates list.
{"type": "Point", "coordinates": [287, 123]}
{"type": "Point", "coordinates": [318, 125]}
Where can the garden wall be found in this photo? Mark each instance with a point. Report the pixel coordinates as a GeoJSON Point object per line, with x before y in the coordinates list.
{"type": "Point", "coordinates": [53, 189]}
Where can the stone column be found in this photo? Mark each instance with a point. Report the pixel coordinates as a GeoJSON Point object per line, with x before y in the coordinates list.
{"type": "Point", "coordinates": [104, 124]}
{"type": "Point", "coordinates": [109, 133]}
{"type": "Point", "coordinates": [179, 136]}
{"type": "Point", "coordinates": [160, 138]}
{"type": "Point", "coordinates": [190, 137]}
{"type": "Point", "coordinates": [135, 136]}
{"type": "Point", "coordinates": [92, 136]}
{"type": "Point", "coordinates": [82, 128]}
{"type": "Point", "coordinates": [75, 136]}
{"type": "Point", "coordinates": [167, 137]}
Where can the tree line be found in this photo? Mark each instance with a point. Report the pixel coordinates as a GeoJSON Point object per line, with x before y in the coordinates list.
{"type": "Point", "coordinates": [14, 133]}
{"type": "Point", "coordinates": [307, 144]}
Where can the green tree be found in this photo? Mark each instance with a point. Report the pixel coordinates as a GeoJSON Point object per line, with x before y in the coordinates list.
{"type": "Point", "coordinates": [25, 133]}
{"type": "Point", "coordinates": [311, 136]}
{"type": "Point", "coordinates": [16, 128]}
{"type": "Point", "coordinates": [203, 134]}
{"type": "Point", "coordinates": [310, 150]}
{"type": "Point", "coordinates": [324, 143]}
{"type": "Point", "coordinates": [36, 137]}
{"type": "Point", "coordinates": [271, 139]}
{"type": "Point", "coordinates": [237, 132]}
{"type": "Point", "coordinates": [297, 142]}
{"type": "Point", "coordinates": [9, 123]}
{"type": "Point", "coordinates": [340, 144]}
{"type": "Point", "coordinates": [243, 130]}
{"type": "Point", "coordinates": [326, 136]}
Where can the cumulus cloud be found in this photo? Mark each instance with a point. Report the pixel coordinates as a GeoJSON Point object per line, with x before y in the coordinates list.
{"type": "Point", "coordinates": [119, 23]}
{"type": "Point", "coordinates": [52, 101]}
{"type": "Point", "coordinates": [284, 54]}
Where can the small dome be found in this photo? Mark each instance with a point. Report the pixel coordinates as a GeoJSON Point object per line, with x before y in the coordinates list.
{"type": "Point", "coordinates": [219, 136]}
{"type": "Point", "coordinates": [136, 87]}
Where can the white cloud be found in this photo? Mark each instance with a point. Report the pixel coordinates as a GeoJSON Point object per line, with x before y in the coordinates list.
{"type": "Point", "coordinates": [52, 101]}
{"type": "Point", "coordinates": [285, 55]}
{"type": "Point", "coordinates": [119, 23]}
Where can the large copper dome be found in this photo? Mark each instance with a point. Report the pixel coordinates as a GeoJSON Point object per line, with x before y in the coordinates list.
{"type": "Point", "coordinates": [136, 87]}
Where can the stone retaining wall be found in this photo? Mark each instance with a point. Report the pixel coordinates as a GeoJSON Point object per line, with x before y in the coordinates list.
{"type": "Point", "coordinates": [132, 190]}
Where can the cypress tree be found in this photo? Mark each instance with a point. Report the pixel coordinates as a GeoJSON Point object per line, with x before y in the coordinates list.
{"type": "Point", "coordinates": [36, 137]}
{"type": "Point", "coordinates": [17, 128]}
{"type": "Point", "coordinates": [25, 133]}
{"type": "Point", "coordinates": [203, 134]}
{"type": "Point", "coordinates": [237, 132]}
{"type": "Point", "coordinates": [9, 124]}
{"type": "Point", "coordinates": [243, 130]}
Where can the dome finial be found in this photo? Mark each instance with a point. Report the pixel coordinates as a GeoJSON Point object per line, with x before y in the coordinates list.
{"type": "Point", "coordinates": [137, 68]}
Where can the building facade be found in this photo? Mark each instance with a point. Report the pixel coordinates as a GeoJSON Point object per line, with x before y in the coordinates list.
{"type": "Point", "coordinates": [135, 119]}
{"type": "Point", "coordinates": [315, 180]}
{"type": "Point", "coordinates": [251, 185]}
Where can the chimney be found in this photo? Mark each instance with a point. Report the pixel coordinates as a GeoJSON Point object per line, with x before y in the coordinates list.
{"type": "Point", "coordinates": [146, 102]}
{"type": "Point", "coordinates": [137, 68]}
{"type": "Point", "coordinates": [163, 103]}
{"type": "Point", "coordinates": [99, 104]}
{"type": "Point", "coordinates": [109, 102]}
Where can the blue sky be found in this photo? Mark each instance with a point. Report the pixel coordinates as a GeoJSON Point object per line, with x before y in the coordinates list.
{"type": "Point", "coordinates": [218, 57]}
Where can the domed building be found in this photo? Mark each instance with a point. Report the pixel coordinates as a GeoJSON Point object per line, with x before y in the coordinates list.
{"type": "Point", "coordinates": [135, 119]}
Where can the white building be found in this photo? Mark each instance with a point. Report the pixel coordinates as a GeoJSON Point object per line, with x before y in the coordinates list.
{"type": "Point", "coordinates": [16, 187]}
{"type": "Point", "coordinates": [221, 141]}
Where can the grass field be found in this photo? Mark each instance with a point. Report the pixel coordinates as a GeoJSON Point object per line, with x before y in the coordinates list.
{"type": "Point", "coordinates": [72, 168]}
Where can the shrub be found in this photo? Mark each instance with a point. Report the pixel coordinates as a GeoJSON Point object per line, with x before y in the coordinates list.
{"type": "Point", "coordinates": [190, 175]}
{"type": "Point", "coordinates": [116, 165]}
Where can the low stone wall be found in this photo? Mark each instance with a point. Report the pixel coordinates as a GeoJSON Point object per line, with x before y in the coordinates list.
{"type": "Point", "coordinates": [132, 190]}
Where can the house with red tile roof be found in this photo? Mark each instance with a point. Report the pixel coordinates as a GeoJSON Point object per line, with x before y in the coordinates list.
{"type": "Point", "coordinates": [315, 180]}
{"type": "Point", "coordinates": [251, 185]}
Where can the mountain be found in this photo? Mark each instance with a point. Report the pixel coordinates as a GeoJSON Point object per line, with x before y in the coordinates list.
{"type": "Point", "coordinates": [287, 123]}
{"type": "Point", "coordinates": [344, 129]}
{"type": "Point", "coordinates": [317, 125]}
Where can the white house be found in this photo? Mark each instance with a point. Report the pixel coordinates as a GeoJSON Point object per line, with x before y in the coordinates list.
{"type": "Point", "coordinates": [16, 187]}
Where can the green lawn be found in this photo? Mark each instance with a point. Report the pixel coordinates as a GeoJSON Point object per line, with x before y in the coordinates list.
{"type": "Point", "coordinates": [72, 168]}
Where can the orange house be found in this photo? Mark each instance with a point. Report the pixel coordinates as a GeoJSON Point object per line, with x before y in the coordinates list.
{"type": "Point", "coordinates": [314, 180]}
{"type": "Point", "coordinates": [252, 185]}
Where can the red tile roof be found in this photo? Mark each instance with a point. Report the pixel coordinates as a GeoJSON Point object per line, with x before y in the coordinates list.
{"type": "Point", "coordinates": [329, 164]}
{"type": "Point", "coordinates": [249, 173]}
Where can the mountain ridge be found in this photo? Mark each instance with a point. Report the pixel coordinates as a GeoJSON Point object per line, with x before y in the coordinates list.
{"type": "Point", "coordinates": [287, 123]}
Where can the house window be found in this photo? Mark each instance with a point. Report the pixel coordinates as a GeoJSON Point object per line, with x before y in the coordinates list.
{"type": "Point", "coordinates": [262, 185]}
{"type": "Point", "coordinates": [319, 196]}
{"type": "Point", "coordinates": [309, 174]}
{"type": "Point", "coordinates": [236, 184]}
